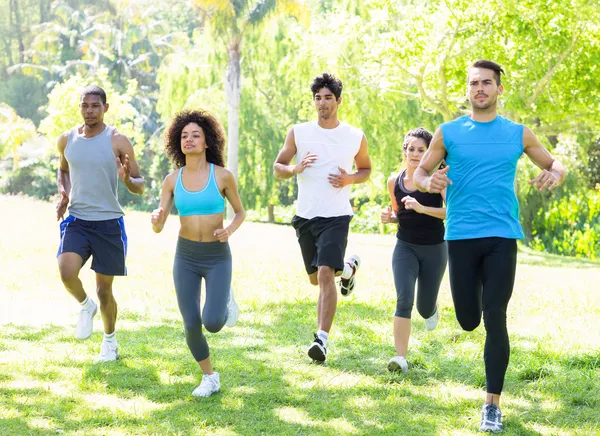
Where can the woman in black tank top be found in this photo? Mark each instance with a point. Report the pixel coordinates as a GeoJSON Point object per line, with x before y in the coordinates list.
{"type": "Point", "coordinates": [420, 255]}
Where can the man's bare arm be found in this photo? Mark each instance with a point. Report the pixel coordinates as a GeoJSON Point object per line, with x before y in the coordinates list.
{"type": "Point", "coordinates": [433, 157]}
{"type": "Point", "coordinates": [553, 172]}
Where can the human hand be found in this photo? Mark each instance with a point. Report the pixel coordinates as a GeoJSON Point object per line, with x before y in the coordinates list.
{"type": "Point", "coordinates": [387, 216]}
{"type": "Point", "coordinates": [124, 168]}
{"type": "Point", "coordinates": [340, 180]}
{"type": "Point", "coordinates": [545, 179]}
{"type": "Point", "coordinates": [306, 162]}
{"type": "Point", "coordinates": [222, 235]}
{"type": "Point", "coordinates": [61, 205]}
{"type": "Point", "coordinates": [438, 181]}
{"type": "Point", "coordinates": [411, 203]}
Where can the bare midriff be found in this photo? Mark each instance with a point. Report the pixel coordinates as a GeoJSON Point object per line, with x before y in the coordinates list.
{"type": "Point", "coordinates": [200, 228]}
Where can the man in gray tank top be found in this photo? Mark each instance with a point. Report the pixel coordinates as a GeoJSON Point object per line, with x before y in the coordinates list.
{"type": "Point", "coordinates": [93, 156]}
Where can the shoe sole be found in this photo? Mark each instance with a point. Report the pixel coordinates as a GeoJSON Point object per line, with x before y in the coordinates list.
{"type": "Point", "coordinates": [315, 353]}
{"type": "Point", "coordinates": [346, 290]}
{"type": "Point", "coordinates": [82, 338]}
{"type": "Point", "coordinates": [230, 323]}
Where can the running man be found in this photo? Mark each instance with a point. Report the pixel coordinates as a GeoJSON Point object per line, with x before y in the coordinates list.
{"type": "Point", "coordinates": [325, 151]}
{"type": "Point", "coordinates": [482, 225]}
{"type": "Point", "coordinates": [93, 157]}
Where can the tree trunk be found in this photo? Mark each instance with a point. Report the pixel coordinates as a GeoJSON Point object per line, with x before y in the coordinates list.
{"type": "Point", "coordinates": [233, 91]}
{"type": "Point", "coordinates": [44, 11]}
{"type": "Point", "coordinates": [14, 6]}
{"type": "Point", "coordinates": [271, 210]}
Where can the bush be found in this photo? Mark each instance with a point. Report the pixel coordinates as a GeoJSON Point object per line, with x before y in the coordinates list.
{"type": "Point", "coordinates": [570, 225]}
{"type": "Point", "coordinates": [36, 180]}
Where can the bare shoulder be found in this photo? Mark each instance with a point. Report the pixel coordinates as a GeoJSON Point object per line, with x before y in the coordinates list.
{"type": "Point", "coordinates": [392, 180]}
{"type": "Point", "coordinates": [223, 173]}
{"type": "Point", "coordinates": [118, 138]}
{"type": "Point", "coordinates": [62, 141]}
{"type": "Point", "coordinates": [171, 179]}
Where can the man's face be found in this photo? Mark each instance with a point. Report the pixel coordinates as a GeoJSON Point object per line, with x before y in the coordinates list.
{"type": "Point", "coordinates": [92, 109]}
{"type": "Point", "coordinates": [326, 103]}
{"type": "Point", "coordinates": [482, 89]}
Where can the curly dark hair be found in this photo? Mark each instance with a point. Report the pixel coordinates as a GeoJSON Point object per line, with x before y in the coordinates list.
{"type": "Point", "coordinates": [329, 81]}
{"type": "Point", "coordinates": [213, 134]}
{"type": "Point", "coordinates": [420, 133]}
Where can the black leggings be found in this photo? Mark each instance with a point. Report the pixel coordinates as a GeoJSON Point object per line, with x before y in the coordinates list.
{"type": "Point", "coordinates": [425, 264]}
{"type": "Point", "coordinates": [195, 261]}
{"type": "Point", "coordinates": [482, 276]}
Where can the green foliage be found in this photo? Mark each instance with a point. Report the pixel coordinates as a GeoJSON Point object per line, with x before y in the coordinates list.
{"type": "Point", "coordinates": [37, 180]}
{"type": "Point", "coordinates": [63, 107]}
{"type": "Point", "coordinates": [14, 131]}
{"type": "Point", "coordinates": [570, 226]}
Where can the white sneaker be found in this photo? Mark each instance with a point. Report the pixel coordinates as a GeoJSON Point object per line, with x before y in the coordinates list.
{"type": "Point", "coordinates": [432, 322]}
{"type": "Point", "coordinates": [109, 352]}
{"type": "Point", "coordinates": [85, 323]}
{"type": "Point", "coordinates": [233, 310]}
{"type": "Point", "coordinates": [347, 285]}
{"type": "Point", "coordinates": [397, 363]}
{"type": "Point", "coordinates": [209, 385]}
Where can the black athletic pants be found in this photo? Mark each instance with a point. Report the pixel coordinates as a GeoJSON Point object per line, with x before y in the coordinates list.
{"type": "Point", "coordinates": [482, 276]}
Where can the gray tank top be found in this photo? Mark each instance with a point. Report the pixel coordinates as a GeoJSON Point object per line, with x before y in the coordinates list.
{"type": "Point", "coordinates": [94, 176]}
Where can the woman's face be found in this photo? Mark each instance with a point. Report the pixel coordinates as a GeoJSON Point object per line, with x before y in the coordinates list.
{"type": "Point", "coordinates": [192, 139]}
{"type": "Point", "coordinates": [414, 151]}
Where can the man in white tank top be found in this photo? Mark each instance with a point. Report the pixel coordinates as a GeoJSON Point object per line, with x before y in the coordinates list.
{"type": "Point", "coordinates": [325, 152]}
{"type": "Point", "coordinates": [93, 157]}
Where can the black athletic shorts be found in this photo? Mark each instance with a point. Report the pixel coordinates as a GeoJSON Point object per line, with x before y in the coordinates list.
{"type": "Point", "coordinates": [322, 241]}
{"type": "Point", "coordinates": [105, 241]}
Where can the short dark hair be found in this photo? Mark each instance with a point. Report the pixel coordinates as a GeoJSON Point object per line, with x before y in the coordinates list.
{"type": "Point", "coordinates": [214, 136]}
{"type": "Point", "coordinates": [490, 65]}
{"type": "Point", "coordinates": [94, 90]}
{"type": "Point", "coordinates": [329, 81]}
{"type": "Point", "coordinates": [420, 133]}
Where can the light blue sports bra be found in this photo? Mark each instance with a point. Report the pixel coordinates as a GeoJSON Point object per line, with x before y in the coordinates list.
{"type": "Point", "coordinates": [207, 201]}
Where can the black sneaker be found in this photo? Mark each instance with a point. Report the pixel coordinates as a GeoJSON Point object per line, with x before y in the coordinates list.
{"type": "Point", "coordinates": [347, 285]}
{"type": "Point", "coordinates": [317, 350]}
{"type": "Point", "coordinates": [491, 418]}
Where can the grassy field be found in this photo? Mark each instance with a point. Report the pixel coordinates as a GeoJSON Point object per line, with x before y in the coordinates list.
{"type": "Point", "coordinates": [49, 384]}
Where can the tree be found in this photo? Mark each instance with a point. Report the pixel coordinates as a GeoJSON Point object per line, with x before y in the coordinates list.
{"type": "Point", "coordinates": [14, 131]}
{"type": "Point", "coordinates": [231, 20]}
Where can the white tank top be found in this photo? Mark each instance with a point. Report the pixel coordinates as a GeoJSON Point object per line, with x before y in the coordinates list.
{"type": "Point", "coordinates": [334, 148]}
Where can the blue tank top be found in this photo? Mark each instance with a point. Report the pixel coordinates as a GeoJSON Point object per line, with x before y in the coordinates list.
{"type": "Point", "coordinates": [481, 201]}
{"type": "Point", "coordinates": [207, 201]}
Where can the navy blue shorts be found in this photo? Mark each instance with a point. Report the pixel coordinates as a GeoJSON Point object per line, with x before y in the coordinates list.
{"type": "Point", "coordinates": [105, 241]}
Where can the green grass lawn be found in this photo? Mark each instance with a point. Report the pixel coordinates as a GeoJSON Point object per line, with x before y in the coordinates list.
{"type": "Point", "coordinates": [50, 385]}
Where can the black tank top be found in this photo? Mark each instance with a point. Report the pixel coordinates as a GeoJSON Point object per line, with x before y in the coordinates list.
{"type": "Point", "coordinates": [413, 227]}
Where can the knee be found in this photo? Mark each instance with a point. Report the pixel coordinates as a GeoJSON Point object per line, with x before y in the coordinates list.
{"type": "Point", "coordinates": [214, 325]}
{"type": "Point", "coordinates": [494, 318]}
{"type": "Point", "coordinates": [67, 275]}
{"type": "Point", "coordinates": [192, 322]}
{"type": "Point", "coordinates": [325, 274]}
{"type": "Point", "coordinates": [469, 324]}
{"type": "Point", "coordinates": [313, 279]}
{"type": "Point", "coordinates": [104, 293]}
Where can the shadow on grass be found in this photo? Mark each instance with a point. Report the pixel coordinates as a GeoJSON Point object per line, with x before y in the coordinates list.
{"type": "Point", "coordinates": [268, 386]}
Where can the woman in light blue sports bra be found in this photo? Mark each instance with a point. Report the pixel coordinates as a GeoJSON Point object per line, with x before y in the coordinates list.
{"type": "Point", "coordinates": [194, 142]}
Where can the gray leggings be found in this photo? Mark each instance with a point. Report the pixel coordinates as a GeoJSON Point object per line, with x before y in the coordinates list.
{"type": "Point", "coordinates": [195, 261]}
{"type": "Point", "coordinates": [427, 263]}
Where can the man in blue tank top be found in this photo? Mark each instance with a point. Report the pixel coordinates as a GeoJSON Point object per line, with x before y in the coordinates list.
{"type": "Point", "coordinates": [93, 157]}
{"type": "Point", "coordinates": [481, 151]}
